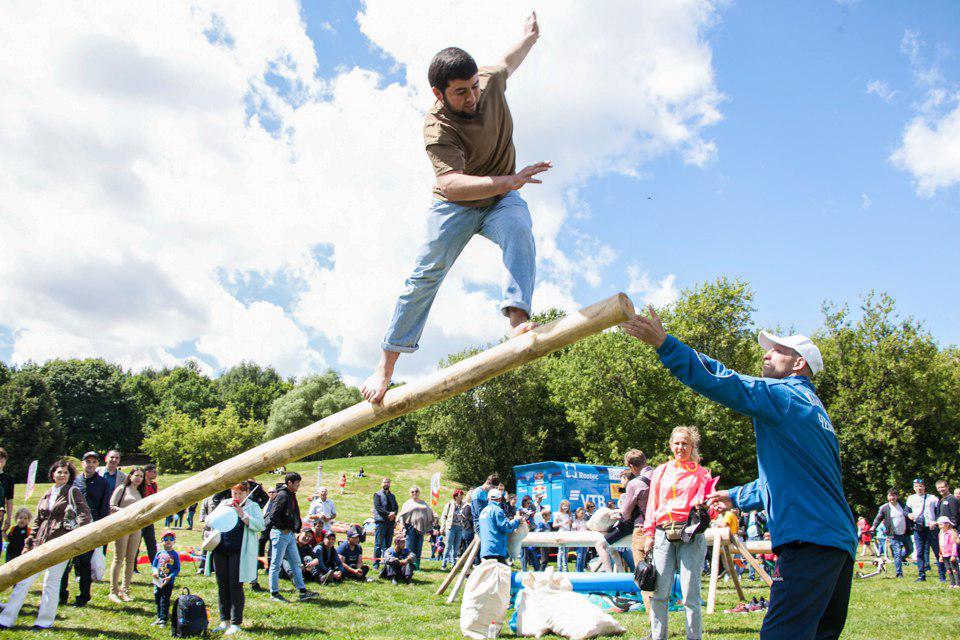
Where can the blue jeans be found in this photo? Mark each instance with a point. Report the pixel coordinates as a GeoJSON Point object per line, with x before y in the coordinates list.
{"type": "Point", "coordinates": [926, 541]}
{"type": "Point", "coordinates": [900, 546]}
{"type": "Point", "coordinates": [668, 558]}
{"type": "Point", "coordinates": [449, 227]}
{"type": "Point", "coordinates": [581, 558]}
{"type": "Point", "coordinates": [382, 540]}
{"type": "Point", "coordinates": [283, 546]}
{"type": "Point", "coordinates": [452, 551]}
{"type": "Point", "coordinates": [414, 544]}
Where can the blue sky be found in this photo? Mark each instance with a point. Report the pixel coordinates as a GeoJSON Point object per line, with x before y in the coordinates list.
{"type": "Point", "coordinates": [279, 203]}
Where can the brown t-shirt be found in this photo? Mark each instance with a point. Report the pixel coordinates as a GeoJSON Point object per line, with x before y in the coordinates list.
{"type": "Point", "coordinates": [481, 146]}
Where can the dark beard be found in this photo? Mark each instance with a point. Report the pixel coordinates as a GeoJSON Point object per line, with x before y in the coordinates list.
{"type": "Point", "coordinates": [460, 114]}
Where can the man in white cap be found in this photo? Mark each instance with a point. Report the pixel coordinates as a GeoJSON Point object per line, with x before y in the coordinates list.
{"type": "Point", "coordinates": [800, 486]}
{"type": "Point", "coordinates": [494, 527]}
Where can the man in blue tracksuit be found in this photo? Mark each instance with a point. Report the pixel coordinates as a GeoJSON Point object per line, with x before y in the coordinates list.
{"type": "Point", "coordinates": [811, 526]}
{"type": "Point", "coordinates": [493, 528]}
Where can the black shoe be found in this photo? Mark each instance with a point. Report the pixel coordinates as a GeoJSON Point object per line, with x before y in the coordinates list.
{"type": "Point", "coordinates": [255, 587]}
{"type": "Point", "coordinates": [277, 597]}
{"type": "Point", "coordinates": [80, 602]}
{"type": "Point", "coordinates": [307, 595]}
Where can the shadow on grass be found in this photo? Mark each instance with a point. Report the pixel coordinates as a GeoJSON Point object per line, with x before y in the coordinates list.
{"type": "Point", "coordinates": [113, 633]}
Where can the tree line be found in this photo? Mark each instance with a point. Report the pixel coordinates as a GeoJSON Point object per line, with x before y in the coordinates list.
{"type": "Point", "coordinates": [892, 392]}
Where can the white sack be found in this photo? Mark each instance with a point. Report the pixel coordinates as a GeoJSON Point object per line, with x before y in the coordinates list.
{"type": "Point", "coordinates": [486, 598]}
{"type": "Point", "coordinates": [98, 565]}
{"type": "Point", "coordinates": [514, 540]}
{"type": "Point", "coordinates": [573, 616]}
{"type": "Point", "coordinates": [603, 520]}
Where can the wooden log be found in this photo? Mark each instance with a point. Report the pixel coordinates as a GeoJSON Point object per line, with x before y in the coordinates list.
{"type": "Point", "coordinates": [464, 572]}
{"type": "Point", "coordinates": [742, 548]}
{"type": "Point", "coordinates": [456, 567]}
{"type": "Point", "coordinates": [325, 433]}
{"type": "Point", "coordinates": [732, 570]}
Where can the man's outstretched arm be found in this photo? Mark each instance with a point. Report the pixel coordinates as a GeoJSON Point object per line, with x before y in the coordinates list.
{"type": "Point", "coordinates": [531, 31]}
{"type": "Point", "coordinates": [460, 187]}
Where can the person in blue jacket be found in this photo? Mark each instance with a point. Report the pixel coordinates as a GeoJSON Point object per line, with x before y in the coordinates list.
{"type": "Point", "coordinates": [811, 526]}
{"type": "Point", "coordinates": [493, 528]}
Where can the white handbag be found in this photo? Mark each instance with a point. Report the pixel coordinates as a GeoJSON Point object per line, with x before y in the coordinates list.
{"type": "Point", "coordinates": [210, 540]}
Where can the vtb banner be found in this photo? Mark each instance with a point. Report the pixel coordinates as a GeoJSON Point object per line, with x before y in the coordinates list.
{"type": "Point", "coordinates": [435, 489]}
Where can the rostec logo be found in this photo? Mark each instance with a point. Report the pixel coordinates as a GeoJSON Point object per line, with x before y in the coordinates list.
{"type": "Point", "coordinates": [570, 471]}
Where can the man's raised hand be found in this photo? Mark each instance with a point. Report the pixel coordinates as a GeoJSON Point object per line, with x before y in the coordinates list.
{"type": "Point", "coordinates": [526, 175]}
{"type": "Point", "coordinates": [648, 329]}
{"type": "Point", "coordinates": [530, 27]}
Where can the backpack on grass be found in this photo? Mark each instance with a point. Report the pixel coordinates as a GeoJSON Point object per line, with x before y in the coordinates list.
{"type": "Point", "coordinates": [189, 616]}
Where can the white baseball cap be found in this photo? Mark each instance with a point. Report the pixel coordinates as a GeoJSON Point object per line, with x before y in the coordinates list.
{"type": "Point", "coordinates": [799, 343]}
{"type": "Point", "coordinates": [494, 494]}
{"type": "Point", "coordinates": [944, 520]}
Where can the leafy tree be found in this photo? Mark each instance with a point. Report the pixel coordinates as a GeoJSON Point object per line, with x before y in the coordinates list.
{"type": "Point", "coordinates": [390, 438]}
{"type": "Point", "coordinates": [95, 412]}
{"type": "Point", "coordinates": [506, 421]}
{"type": "Point", "coordinates": [180, 443]}
{"type": "Point", "coordinates": [618, 395]}
{"type": "Point", "coordinates": [29, 424]}
{"type": "Point", "coordinates": [251, 389]}
{"type": "Point", "coordinates": [894, 397]}
{"type": "Point", "coordinates": [187, 390]}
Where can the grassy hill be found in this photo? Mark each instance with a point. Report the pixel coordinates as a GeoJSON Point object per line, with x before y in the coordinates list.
{"type": "Point", "coordinates": [880, 607]}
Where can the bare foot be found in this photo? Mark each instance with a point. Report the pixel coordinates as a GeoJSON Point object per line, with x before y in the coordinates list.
{"type": "Point", "coordinates": [376, 385]}
{"type": "Point", "coordinates": [523, 327]}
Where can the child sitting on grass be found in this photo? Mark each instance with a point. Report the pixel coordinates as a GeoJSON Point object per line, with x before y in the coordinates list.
{"type": "Point", "coordinates": [18, 533]}
{"type": "Point", "coordinates": [948, 549]}
{"type": "Point", "coordinates": [166, 566]}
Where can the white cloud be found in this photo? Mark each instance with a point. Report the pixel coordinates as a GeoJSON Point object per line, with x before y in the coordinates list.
{"type": "Point", "coordinates": [930, 144]}
{"type": "Point", "coordinates": [865, 201]}
{"type": "Point", "coordinates": [881, 89]}
{"type": "Point", "coordinates": [147, 163]}
{"type": "Point", "coordinates": [659, 293]}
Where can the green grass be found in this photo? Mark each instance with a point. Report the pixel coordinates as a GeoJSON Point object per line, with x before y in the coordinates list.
{"type": "Point", "coordinates": [880, 607]}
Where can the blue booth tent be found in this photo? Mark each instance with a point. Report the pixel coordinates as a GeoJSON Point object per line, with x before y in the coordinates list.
{"type": "Point", "coordinates": [578, 483]}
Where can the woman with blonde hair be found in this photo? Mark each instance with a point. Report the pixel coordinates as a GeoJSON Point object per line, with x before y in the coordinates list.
{"type": "Point", "coordinates": [675, 488]}
{"type": "Point", "coordinates": [125, 548]}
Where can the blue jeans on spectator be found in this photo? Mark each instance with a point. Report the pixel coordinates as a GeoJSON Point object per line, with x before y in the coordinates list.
{"type": "Point", "coordinates": [382, 540]}
{"type": "Point", "coordinates": [449, 228]}
{"type": "Point", "coordinates": [926, 541]}
{"type": "Point", "coordinates": [581, 558]}
{"type": "Point", "coordinates": [900, 546]}
{"type": "Point", "coordinates": [531, 557]}
{"type": "Point", "coordinates": [452, 551]}
{"type": "Point", "coordinates": [414, 544]}
{"type": "Point", "coordinates": [283, 546]}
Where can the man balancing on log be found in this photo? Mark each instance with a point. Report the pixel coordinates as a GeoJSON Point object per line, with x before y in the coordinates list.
{"type": "Point", "coordinates": [469, 139]}
{"type": "Point", "coordinates": [800, 486]}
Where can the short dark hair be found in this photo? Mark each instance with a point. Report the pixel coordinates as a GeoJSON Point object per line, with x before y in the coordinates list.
{"type": "Point", "coordinates": [449, 64]}
{"type": "Point", "coordinates": [291, 476]}
{"type": "Point", "coordinates": [493, 478]}
{"type": "Point", "coordinates": [62, 463]}
{"type": "Point", "coordinates": [150, 466]}
{"type": "Point", "coordinates": [892, 491]}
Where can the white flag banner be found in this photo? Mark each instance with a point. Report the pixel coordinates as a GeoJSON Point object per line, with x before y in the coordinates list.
{"type": "Point", "coordinates": [31, 479]}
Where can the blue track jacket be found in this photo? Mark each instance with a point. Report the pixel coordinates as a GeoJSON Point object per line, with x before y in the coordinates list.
{"type": "Point", "coordinates": [494, 527]}
{"type": "Point", "coordinates": [800, 484]}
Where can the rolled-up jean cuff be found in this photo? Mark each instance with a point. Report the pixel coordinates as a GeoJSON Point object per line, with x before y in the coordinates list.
{"type": "Point", "coordinates": [386, 346]}
{"type": "Point", "coordinates": [516, 304]}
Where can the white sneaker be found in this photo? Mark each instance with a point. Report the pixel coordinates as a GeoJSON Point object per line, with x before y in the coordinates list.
{"type": "Point", "coordinates": [232, 629]}
{"type": "Point", "coordinates": [223, 626]}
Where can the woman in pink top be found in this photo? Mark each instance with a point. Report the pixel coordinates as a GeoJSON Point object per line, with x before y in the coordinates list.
{"type": "Point", "coordinates": [675, 488]}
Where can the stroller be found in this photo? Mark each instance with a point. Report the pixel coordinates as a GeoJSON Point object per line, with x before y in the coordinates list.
{"type": "Point", "coordinates": [880, 563]}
